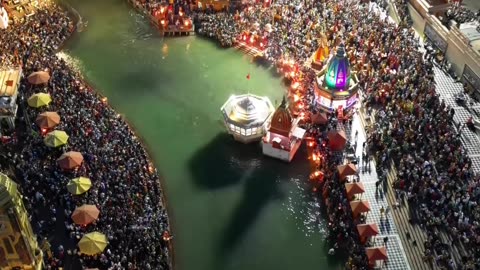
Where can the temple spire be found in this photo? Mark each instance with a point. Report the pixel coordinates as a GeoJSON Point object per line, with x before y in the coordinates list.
{"type": "Point", "coordinates": [284, 103]}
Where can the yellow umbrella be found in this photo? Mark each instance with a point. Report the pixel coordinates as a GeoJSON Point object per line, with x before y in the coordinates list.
{"type": "Point", "coordinates": [93, 243]}
{"type": "Point", "coordinates": [39, 100]}
{"type": "Point", "coordinates": [56, 138]}
{"type": "Point", "coordinates": [79, 185]}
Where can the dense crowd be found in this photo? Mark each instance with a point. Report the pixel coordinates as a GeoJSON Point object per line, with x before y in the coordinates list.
{"type": "Point", "coordinates": [413, 126]}
{"type": "Point", "coordinates": [125, 186]}
{"type": "Point", "coordinates": [461, 14]}
{"type": "Point", "coordinates": [413, 129]}
{"type": "Point", "coordinates": [403, 13]}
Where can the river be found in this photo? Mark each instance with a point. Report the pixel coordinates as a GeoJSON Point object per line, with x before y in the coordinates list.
{"type": "Point", "coordinates": [230, 207]}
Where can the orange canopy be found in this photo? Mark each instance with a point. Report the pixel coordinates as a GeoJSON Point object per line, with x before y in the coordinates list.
{"type": "Point", "coordinates": [70, 160]}
{"type": "Point", "coordinates": [376, 254]}
{"type": "Point", "coordinates": [85, 214]}
{"type": "Point", "coordinates": [367, 230]}
{"type": "Point", "coordinates": [319, 118]}
{"type": "Point", "coordinates": [359, 207]}
{"type": "Point", "coordinates": [354, 188]}
{"type": "Point", "coordinates": [48, 120]}
{"type": "Point", "coordinates": [337, 140]}
{"type": "Point", "coordinates": [346, 170]}
{"type": "Point", "coordinates": [39, 77]}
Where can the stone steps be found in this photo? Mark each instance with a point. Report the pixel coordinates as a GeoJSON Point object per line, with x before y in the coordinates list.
{"type": "Point", "coordinates": [401, 216]}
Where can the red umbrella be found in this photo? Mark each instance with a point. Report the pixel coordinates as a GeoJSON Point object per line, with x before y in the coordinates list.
{"type": "Point", "coordinates": [367, 230]}
{"type": "Point", "coordinates": [319, 118]}
{"type": "Point", "coordinates": [337, 140]}
{"type": "Point", "coordinates": [70, 160]}
{"type": "Point", "coordinates": [376, 254]}
{"type": "Point", "coordinates": [359, 207]}
{"type": "Point", "coordinates": [346, 170]}
{"type": "Point", "coordinates": [354, 188]}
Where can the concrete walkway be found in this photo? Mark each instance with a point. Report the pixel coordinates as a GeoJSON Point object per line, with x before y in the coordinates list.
{"type": "Point", "coordinates": [397, 258]}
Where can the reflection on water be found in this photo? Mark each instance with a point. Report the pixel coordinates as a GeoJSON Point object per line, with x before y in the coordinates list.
{"type": "Point", "coordinates": [304, 207]}
{"type": "Point", "coordinates": [140, 31]}
{"type": "Point", "coordinates": [72, 62]}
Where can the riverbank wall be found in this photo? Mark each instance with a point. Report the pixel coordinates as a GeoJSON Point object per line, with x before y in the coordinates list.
{"type": "Point", "coordinates": [78, 24]}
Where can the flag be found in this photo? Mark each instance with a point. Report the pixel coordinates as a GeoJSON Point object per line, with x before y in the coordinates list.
{"type": "Point", "coordinates": [248, 76]}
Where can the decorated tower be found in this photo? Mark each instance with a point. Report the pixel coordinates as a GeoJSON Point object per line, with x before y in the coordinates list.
{"type": "Point", "coordinates": [284, 137]}
{"type": "Point", "coordinates": [336, 84]}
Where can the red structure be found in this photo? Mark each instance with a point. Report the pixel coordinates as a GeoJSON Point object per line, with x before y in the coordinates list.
{"type": "Point", "coordinates": [284, 137]}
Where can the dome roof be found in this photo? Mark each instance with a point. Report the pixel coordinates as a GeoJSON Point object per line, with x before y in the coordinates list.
{"type": "Point", "coordinates": [247, 110]}
{"type": "Point", "coordinates": [281, 120]}
{"type": "Point", "coordinates": [337, 75]}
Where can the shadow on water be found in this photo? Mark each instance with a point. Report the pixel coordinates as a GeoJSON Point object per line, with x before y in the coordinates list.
{"type": "Point", "coordinates": [141, 77]}
{"type": "Point", "coordinates": [223, 163]}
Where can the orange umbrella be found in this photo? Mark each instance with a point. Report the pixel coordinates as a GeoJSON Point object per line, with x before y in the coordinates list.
{"type": "Point", "coordinates": [367, 230]}
{"type": "Point", "coordinates": [337, 140]}
{"type": "Point", "coordinates": [70, 160]}
{"type": "Point", "coordinates": [376, 254]}
{"type": "Point", "coordinates": [85, 214]}
{"type": "Point", "coordinates": [354, 188]}
{"type": "Point", "coordinates": [359, 207]}
{"type": "Point", "coordinates": [39, 77]}
{"type": "Point", "coordinates": [48, 120]}
{"type": "Point", "coordinates": [319, 118]}
{"type": "Point", "coordinates": [346, 170]}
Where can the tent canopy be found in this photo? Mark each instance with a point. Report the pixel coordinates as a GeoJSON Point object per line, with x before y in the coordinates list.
{"type": "Point", "coordinates": [319, 118]}
{"type": "Point", "coordinates": [359, 207]}
{"type": "Point", "coordinates": [367, 230]}
{"type": "Point", "coordinates": [337, 140]}
{"type": "Point", "coordinates": [354, 188]}
{"type": "Point", "coordinates": [79, 185]}
{"type": "Point", "coordinates": [56, 138]}
{"type": "Point", "coordinates": [346, 170]}
{"type": "Point", "coordinates": [48, 120]}
{"type": "Point", "coordinates": [70, 160]}
{"type": "Point", "coordinates": [39, 77]}
{"type": "Point", "coordinates": [85, 214]}
{"type": "Point", "coordinates": [93, 243]}
{"type": "Point", "coordinates": [39, 100]}
{"type": "Point", "coordinates": [376, 254]}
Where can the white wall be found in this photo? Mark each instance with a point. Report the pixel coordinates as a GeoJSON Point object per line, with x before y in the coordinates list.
{"type": "Point", "coordinates": [269, 150]}
{"type": "Point", "coordinates": [418, 21]}
{"type": "Point", "coordinates": [3, 18]}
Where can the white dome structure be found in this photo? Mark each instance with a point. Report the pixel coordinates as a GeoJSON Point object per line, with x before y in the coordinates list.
{"type": "Point", "coordinates": [247, 116]}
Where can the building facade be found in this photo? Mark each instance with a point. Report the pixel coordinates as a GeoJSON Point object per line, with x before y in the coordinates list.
{"type": "Point", "coordinates": [18, 245]}
{"type": "Point", "coordinates": [459, 44]}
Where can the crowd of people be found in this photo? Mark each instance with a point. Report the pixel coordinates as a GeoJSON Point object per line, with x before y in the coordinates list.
{"type": "Point", "coordinates": [125, 185]}
{"type": "Point", "coordinates": [461, 14]}
{"type": "Point", "coordinates": [413, 126]}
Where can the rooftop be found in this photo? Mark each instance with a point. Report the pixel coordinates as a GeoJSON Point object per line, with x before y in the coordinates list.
{"type": "Point", "coordinates": [247, 110]}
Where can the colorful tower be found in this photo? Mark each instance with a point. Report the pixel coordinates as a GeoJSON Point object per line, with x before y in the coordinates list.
{"type": "Point", "coordinates": [284, 137]}
{"type": "Point", "coordinates": [336, 85]}
{"type": "Point", "coordinates": [18, 244]}
{"type": "Point", "coordinates": [337, 76]}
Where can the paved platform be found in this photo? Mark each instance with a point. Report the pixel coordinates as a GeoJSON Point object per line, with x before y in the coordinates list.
{"type": "Point", "coordinates": [397, 258]}
{"type": "Point", "coordinates": [446, 87]}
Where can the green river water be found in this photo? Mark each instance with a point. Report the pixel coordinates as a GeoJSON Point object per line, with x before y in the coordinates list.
{"type": "Point", "coordinates": [230, 207]}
